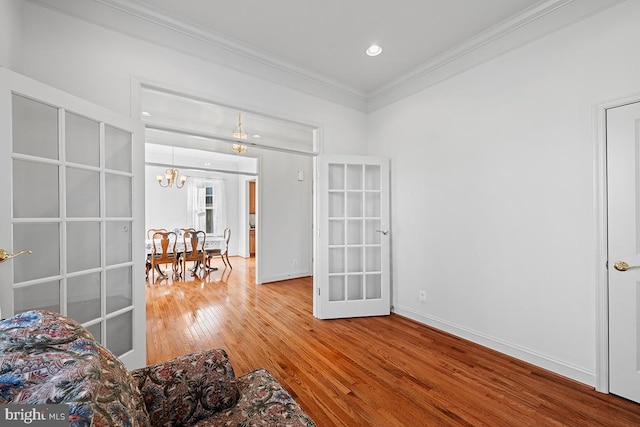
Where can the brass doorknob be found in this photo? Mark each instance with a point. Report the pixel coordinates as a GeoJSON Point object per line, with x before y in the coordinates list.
{"type": "Point", "coordinates": [623, 266]}
{"type": "Point", "coordinates": [4, 255]}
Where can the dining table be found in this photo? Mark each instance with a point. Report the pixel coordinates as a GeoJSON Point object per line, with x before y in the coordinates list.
{"type": "Point", "coordinates": [211, 243]}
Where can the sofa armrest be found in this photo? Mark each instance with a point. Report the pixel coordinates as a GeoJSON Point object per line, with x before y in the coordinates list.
{"type": "Point", "coordinates": [189, 388]}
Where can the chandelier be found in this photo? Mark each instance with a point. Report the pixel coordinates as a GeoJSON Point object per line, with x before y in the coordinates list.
{"type": "Point", "coordinates": [172, 175]}
{"type": "Point", "coordinates": [240, 134]}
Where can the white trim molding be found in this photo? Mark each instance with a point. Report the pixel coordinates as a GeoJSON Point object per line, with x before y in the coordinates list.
{"type": "Point", "coordinates": [527, 355]}
{"type": "Point", "coordinates": [143, 23]}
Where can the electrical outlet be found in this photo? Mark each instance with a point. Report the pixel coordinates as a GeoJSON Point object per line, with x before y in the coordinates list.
{"type": "Point", "coordinates": [422, 296]}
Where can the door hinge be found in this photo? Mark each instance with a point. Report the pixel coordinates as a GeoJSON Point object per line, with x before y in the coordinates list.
{"type": "Point", "coordinates": [318, 291]}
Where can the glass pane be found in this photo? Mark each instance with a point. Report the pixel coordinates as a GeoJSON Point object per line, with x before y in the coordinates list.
{"type": "Point", "coordinates": [372, 177]}
{"type": "Point", "coordinates": [118, 241]}
{"type": "Point", "coordinates": [96, 331]}
{"type": "Point", "coordinates": [44, 241]}
{"type": "Point", "coordinates": [336, 288]}
{"type": "Point", "coordinates": [83, 297]}
{"type": "Point", "coordinates": [208, 221]}
{"type": "Point", "coordinates": [35, 192]}
{"type": "Point", "coordinates": [354, 288]}
{"type": "Point", "coordinates": [336, 232]}
{"type": "Point", "coordinates": [120, 333]}
{"type": "Point", "coordinates": [336, 177]}
{"type": "Point", "coordinates": [354, 260]}
{"type": "Point", "coordinates": [374, 286]}
{"type": "Point", "coordinates": [44, 296]}
{"type": "Point", "coordinates": [374, 258]}
{"type": "Point", "coordinates": [119, 289]}
{"type": "Point", "coordinates": [336, 260]}
{"type": "Point", "coordinates": [372, 237]}
{"type": "Point", "coordinates": [354, 232]}
{"type": "Point", "coordinates": [336, 205]}
{"type": "Point", "coordinates": [83, 193]}
{"type": "Point", "coordinates": [117, 148]}
{"type": "Point", "coordinates": [82, 140]}
{"type": "Point", "coordinates": [83, 246]}
{"type": "Point", "coordinates": [372, 202]}
{"type": "Point", "coordinates": [118, 196]}
{"type": "Point", "coordinates": [208, 199]}
{"type": "Point", "coordinates": [354, 205]}
{"type": "Point", "coordinates": [354, 177]}
{"type": "Point", "coordinates": [35, 128]}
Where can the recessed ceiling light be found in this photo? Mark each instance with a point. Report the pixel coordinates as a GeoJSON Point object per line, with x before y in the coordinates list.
{"type": "Point", "coordinates": [373, 50]}
{"type": "Point", "coordinates": [255, 136]}
{"type": "Point", "coordinates": [146, 114]}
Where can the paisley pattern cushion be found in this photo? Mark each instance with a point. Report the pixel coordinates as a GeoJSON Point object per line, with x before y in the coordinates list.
{"type": "Point", "coordinates": [263, 402]}
{"type": "Point", "coordinates": [47, 358]}
{"type": "Point", "coordinates": [189, 388]}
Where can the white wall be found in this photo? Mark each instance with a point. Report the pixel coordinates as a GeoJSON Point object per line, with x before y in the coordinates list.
{"type": "Point", "coordinates": [493, 192]}
{"type": "Point", "coordinates": [98, 64]}
{"type": "Point", "coordinates": [285, 213]}
{"type": "Point", "coordinates": [11, 19]}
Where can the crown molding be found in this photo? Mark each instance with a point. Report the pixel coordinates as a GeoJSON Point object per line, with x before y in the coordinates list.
{"type": "Point", "coordinates": [133, 20]}
{"type": "Point", "coordinates": [143, 23]}
{"type": "Point", "coordinates": [541, 19]}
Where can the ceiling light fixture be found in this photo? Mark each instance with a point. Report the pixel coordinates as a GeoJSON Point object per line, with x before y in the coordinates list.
{"type": "Point", "coordinates": [373, 50]}
{"type": "Point", "coordinates": [172, 175]}
{"type": "Point", "coordinates": [240, 134]}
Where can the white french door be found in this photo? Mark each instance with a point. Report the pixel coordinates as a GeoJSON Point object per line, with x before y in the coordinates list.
{"type": "Point", "coordinates": [623, 193]}
{"type": "Point", "coordinates": [352, 222]}
{"type": "Point", "coordinates": [72, 193]}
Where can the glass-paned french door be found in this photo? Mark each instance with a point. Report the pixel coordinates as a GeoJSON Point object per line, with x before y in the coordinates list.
{"type": "Point", "coordinates": [353, 214]}
{"type": "Point", "coordinates": [71, 202]}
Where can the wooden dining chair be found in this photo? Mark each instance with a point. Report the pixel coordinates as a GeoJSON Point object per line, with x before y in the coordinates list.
{"type": "Point", "coordinates": [194, 242]}
{"type": "Point", "coordinates": [148, 260]}
{"type": "Point", "coordinates": [222, 253]}
{"type": "Point", "coordinates": [164, 251]}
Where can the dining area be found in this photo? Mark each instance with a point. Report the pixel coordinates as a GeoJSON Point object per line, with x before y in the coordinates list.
{"type": "Point", "coordinates": [183, 251]}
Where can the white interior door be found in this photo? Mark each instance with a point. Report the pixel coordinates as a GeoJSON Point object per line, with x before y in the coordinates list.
{"type": "Point", "coordinates": [352, 222]}
{"type": "Point", "coordinates": [72, 194]}
{"type": "Point", "coordinates": [623, 188]}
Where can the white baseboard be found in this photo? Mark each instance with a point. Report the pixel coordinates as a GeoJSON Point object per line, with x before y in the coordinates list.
{"type": "Point", "coordinates": [295, 275]}
{"type": "Point", "coordinates": [529, 356]}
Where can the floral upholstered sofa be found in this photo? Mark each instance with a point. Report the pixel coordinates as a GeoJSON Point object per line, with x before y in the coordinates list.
{"type": "Point", "coordinates": [46, 358]}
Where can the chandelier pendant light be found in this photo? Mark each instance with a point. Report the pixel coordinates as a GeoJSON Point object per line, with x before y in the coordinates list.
{"type": "Point", "coordinates": [240, 134]}
{"type": "Point", "coordinates": [172, 175]}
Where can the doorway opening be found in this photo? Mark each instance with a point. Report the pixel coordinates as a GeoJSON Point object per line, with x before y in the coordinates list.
{"type": "Point", "coordinates": [280, 153]}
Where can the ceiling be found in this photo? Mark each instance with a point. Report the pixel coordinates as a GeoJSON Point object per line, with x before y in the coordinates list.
{"type": "Point", "coordinates": [329, 37]}
{"type": "Point", "coordinates": [317, 47]}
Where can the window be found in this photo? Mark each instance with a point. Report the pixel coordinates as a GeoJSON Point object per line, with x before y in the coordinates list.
{"type": "Point", "coordinates": [208, 208]}
{"type": "Point", "coordinates": [206, 205]}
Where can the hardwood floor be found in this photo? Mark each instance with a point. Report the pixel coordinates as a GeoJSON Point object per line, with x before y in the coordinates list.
{"type": "Point", "coordinates": [381, 371]}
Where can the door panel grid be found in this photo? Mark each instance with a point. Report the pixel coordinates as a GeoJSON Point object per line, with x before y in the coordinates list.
{"type": "Point", "coordinates": [61, 189]}
{"type": "Point", "coordinates": [354, 246]}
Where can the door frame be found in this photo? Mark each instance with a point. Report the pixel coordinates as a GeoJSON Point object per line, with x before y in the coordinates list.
{"type": "Point", "coordinates": [137, 83]}
{"type": "Point", "coordinates": [602, 236]}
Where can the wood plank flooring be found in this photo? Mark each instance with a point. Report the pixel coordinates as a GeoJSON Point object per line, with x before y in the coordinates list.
{"type": "Point", "coordinates": [381, 371]}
